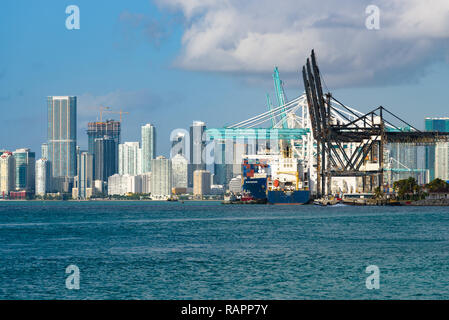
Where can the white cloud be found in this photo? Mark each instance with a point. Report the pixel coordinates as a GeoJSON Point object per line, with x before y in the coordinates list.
{"type": "Point", "coordinates": [252, 36]}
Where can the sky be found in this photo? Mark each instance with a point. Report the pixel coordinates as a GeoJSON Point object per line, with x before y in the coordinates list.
{"type": "Point", "coordinates": [170, 62]}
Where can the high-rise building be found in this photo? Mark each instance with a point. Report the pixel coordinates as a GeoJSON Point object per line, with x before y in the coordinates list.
{"type": "Point", "coordinates": [161, 178]}
{"type": "Point", "coordinates": [106, 158]}
{"type": "Point", "coordinates": [101, 129]}
{"type": "Point", "coordinates": [129, 158]}
{"type": "Point", "coordinates": [179, 145]}
{"type": "Point", "coordinates": [146, 182]}
{"type": "Point", "coordinates": [44, 150]}
{"type": "Point", "coordinates": [62, 135]}
{"type": "Point", "coordinates": [223, 161]}
{"type": "Point", "coordinates": [148, 146]}
{"type": "Point", "coordinates": [43, 177]}
{"type": "Point", "coordinates": [201, 183]}
{"type": "Point", "coordinates": [25, 169]}
{"type": "Point", "coordinates": [7, 174]}
{"type": "Point", "coordinates": [180, 169]}
{"type": "Point", "coordinates": [197, 146]}
{"type": "Point", "coordinates": [84, 179]}
{"type": "Point", "coordinates": [436, 156]}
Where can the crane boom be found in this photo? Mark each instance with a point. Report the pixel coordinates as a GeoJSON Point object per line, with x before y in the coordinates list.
{"type": "Point", "coordinates": [280, 94]}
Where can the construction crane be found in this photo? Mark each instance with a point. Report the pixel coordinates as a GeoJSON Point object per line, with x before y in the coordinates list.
{"type": "Point", "coordinates": [108, 109]}
{"type": "Point", "coordinates": [101, 112]}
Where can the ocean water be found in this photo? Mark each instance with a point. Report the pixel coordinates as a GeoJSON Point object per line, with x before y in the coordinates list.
{"type": "Point", "coordinates": [206, 250]}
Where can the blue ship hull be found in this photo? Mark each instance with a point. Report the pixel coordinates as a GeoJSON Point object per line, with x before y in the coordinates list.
{"type": "Point", "coordinates": [257, 187]}
{"type": "Point", "coordinates": [288, 197]}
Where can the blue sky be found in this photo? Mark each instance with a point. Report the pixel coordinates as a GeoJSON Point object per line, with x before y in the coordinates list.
{"type": "Point", "coordinates": [175, 61]}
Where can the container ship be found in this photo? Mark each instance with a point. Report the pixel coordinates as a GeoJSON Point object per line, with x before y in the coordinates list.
{"type": "Point", "coordinates": [276, 178]}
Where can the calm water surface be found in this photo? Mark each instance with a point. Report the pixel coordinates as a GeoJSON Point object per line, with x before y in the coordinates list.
{"type": "Point", "coordinates": [206, 250]}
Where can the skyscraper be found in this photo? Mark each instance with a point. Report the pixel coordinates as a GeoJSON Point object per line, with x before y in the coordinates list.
{"type": "Point", "coordinates": [44, 150]}
{"type": "Point", "coordinates": [62, 135]}
{"type": "Point", "coordinates": [25, 169]}
{"type": "Point", "coordinates": [7, 174]}
{"type": "Point", "coordinates": [106, 158]}
{"type": "Point", "coordinates": [148, 146]}
{"type": "Point", "coordinates": [223, 161]}
{"type": "Point", "coordinates": [43, 176]}
{"type": "Point", "coordinates": [197, 146]}
{"type": "Point", "coordinates": [101, 129]}
{"type": "Point", "coordinates": [179, 145]}
{"type": "Point", "coordinates": [84, 178]}
{"type": "Point", "coordinates": [201, 183]}
{"type": "Point", "coordinates": [129, 158]}
{"type": "Point", "coordinates": [436, 157]}
{"type": "Point", "coordinates": [161, 178]}
{"type": "Point", "coordinates": [179, 169]}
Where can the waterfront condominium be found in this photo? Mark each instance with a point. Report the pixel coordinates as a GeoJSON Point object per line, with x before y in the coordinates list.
{"type": "Point", "coordinates": [62, 135]}
{"type": "Point", "coordinates": [161, 178]}
{"type": "Point", "coordinates": [148, 146]}
{"type": "Point", "coordinates": [43, 176]}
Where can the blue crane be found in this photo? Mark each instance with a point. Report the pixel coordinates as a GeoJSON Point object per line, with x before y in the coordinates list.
{"type": "Point", "coordinates": [280, 94]}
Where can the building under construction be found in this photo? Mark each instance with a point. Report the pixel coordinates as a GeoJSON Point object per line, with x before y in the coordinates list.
{"type": "Point", "coordinates": [99, 129]}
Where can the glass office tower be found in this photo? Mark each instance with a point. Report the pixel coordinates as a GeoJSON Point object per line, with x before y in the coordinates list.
{"type": "Point", "coordinates": [106, 158]}
{"type": "Point", "coordinates": [25, 169]}
{"type": "Point", "coordinates": [61, 135]}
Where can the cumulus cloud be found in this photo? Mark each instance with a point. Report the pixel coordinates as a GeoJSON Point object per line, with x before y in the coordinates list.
{"type": "Point", "coordinates": [252, 36]}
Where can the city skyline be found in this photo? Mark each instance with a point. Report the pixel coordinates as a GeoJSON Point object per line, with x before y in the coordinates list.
{"type": "Point", "coordinates": [142, 66]}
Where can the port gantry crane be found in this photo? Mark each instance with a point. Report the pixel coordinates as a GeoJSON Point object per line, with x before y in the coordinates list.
{"type": "Point", "coordinates": [353, 147]}
{"type": "Point", "coordinates": [331, 139]}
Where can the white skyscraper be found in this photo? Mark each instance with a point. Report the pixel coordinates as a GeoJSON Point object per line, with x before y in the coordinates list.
{"type": "Point", "coordinates": [161, 178]}
{"type": "Point", "coordinates": [43, 176]}
{"type": "Point", "coordinates": [129, 157]}
{"type": "Point", "coordinates": [148, 146]}
{"type": "Point", "coordinates": [7, 174]}
{"type": "Point", "coordinates": [442, 160]}
{"type": "Point", "coordinates": [180, 170]}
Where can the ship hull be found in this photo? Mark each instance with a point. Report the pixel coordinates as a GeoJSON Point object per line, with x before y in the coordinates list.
{"type": "Point", "coordinates": [257, 187]}
{"type": "Point", "coordinates": [288, 197]}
